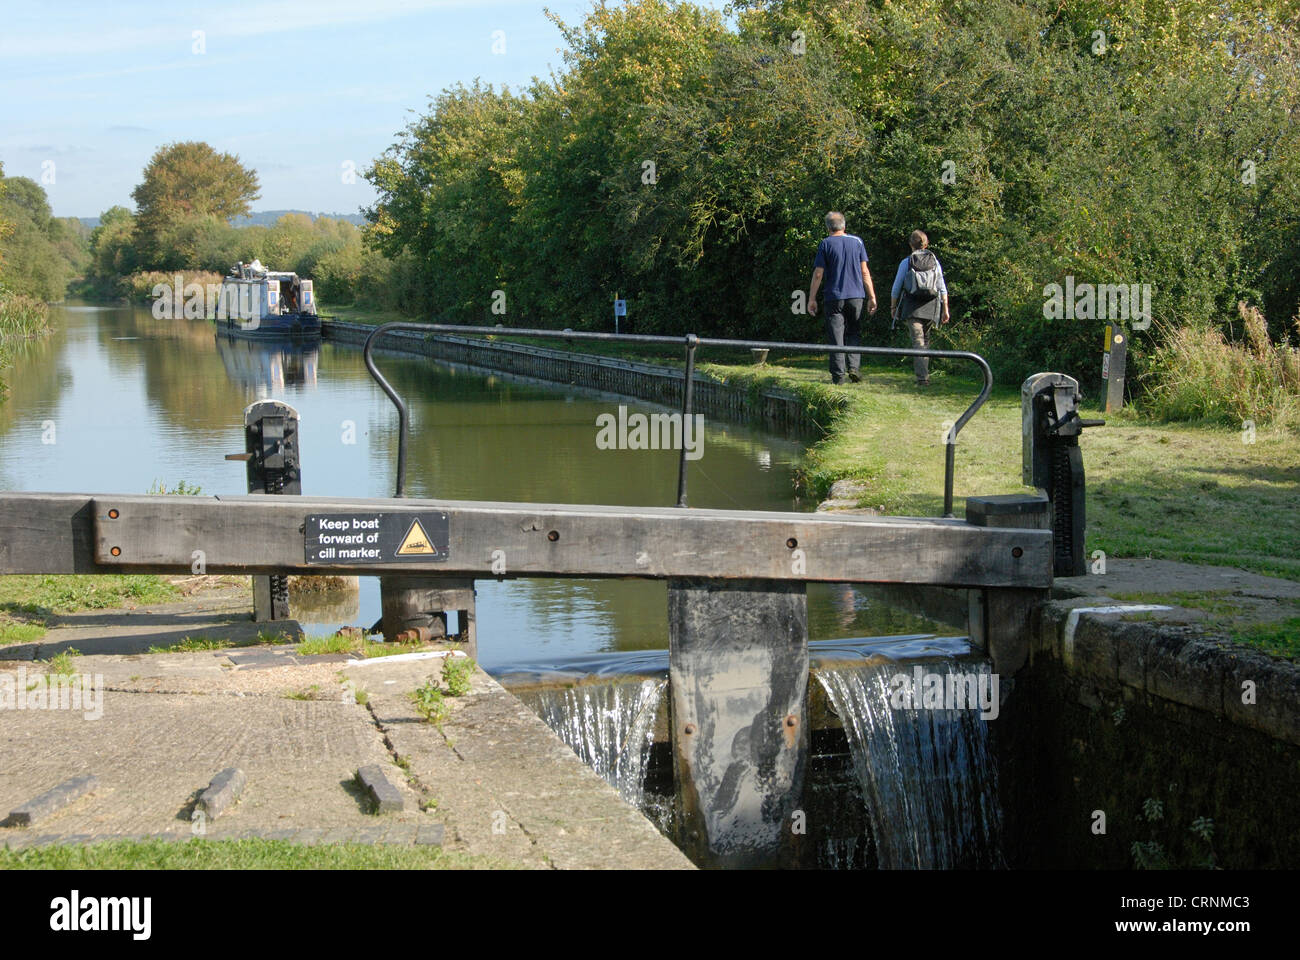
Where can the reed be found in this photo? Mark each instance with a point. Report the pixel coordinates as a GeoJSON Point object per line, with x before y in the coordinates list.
{"type": "Point", "coordinates": [1198, 374]}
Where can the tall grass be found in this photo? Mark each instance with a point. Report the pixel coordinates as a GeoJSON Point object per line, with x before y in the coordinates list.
{"type": "Point", "coordinates": [22, 316]}
{"type": "Point", "coordinates": [20, 319]}
{"type": "Point", "coordinates": [1198, 374]}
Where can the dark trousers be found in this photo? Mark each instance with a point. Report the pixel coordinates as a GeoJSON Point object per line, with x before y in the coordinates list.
{"type": "Point", "coordinates": [843, 329]}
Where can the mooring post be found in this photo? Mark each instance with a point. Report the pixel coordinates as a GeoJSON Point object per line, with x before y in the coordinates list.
{"type": "Point", "coordinates": [738, 674]}
{"type": "Point", "coordinates": [273, 463]}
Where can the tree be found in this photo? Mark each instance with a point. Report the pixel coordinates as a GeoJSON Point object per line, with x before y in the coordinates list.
{"type": "Point", "coordinates": [5, 226]}
{"type": "Point", "coordinates": [35, 264]}
{"type": "Point", "coordinates": [184, 185]}
{"type": "Point", "coordinates": [112, 247]}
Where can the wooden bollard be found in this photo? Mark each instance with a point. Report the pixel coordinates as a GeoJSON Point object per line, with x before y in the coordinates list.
{"type": "Point", "coordinates": [420, 604]}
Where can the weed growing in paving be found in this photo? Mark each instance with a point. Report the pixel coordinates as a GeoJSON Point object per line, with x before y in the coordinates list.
{"type": "Point", "coordinates": [336, 643]}
{"type": "Point", "coordinates": [357, 645]}
{"type": "Point", "coordinates": [428, 700]}
{"type": "Point", "coordinates": [199, 643]}
{"type": "Point", "coordinates": [457, 674]}
{"type": "Point", "coordinates": [182, 489]}
{"type": "Point", "coordinates": [61, 663]}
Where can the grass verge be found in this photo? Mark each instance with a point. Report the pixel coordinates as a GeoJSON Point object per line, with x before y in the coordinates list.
{"type": "Point", "coordinates": [199, 854]}
{"type": "Point", "coordinates": [43, 595]}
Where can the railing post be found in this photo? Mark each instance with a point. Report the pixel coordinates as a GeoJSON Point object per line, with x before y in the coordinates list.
{"type": "Point", "coordinates": [692, 341]}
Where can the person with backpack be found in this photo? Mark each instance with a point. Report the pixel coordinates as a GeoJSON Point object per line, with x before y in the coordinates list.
{"type": "Point", "coordinates": [842, 260]}
{"type": "Point", "coordinates": [920, 298]}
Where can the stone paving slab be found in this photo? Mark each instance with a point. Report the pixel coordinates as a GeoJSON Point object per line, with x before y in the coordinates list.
{"type": "Point", "coordinates": [153, 754]}
{"type": "Point", "coordinates": [1169, 576]}
{"type": "Point", "coordinates": [506, 785]}
{"type": "Point", "coordinates": [494, 781]}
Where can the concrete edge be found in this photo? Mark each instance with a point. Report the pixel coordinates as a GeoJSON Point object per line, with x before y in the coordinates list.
{"type": "Point", "coordinates": [1175, 662]}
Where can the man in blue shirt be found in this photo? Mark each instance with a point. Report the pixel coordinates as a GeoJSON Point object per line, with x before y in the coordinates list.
{"type": "Point", "coordinates": [920, 311]}
{"type": "Point", "coordinates": [842, 260]}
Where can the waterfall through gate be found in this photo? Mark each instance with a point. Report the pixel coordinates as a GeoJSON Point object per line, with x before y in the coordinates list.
{"type": "Point", "coordinates": [926, 773]}
{"type": "Point", "coordinates": [609, 725]}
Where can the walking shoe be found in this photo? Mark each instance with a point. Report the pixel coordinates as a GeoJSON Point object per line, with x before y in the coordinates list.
{"type": "Point", "coordinates": [855, 378]}
{"type": "Point", "coordinates": [839, 382]}
{"type": "Point", "coordinates": [923, 383]}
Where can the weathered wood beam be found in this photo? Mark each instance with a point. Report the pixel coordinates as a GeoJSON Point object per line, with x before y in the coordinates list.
{"type": "Point", "coordinates": [48, 533]}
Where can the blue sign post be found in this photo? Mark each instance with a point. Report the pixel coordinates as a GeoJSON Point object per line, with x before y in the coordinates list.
{"type": "Point", "coordinates": [620, 310]}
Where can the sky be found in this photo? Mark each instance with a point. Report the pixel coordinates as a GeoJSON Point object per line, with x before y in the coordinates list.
{"type": "Point", "coordinates": [305, 92]}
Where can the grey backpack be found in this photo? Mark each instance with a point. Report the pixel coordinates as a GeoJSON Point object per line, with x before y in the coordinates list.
{"type": "Point", "coordinates": [921, 282]}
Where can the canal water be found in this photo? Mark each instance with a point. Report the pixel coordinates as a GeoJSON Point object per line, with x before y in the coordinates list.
{"type": "Point", "coordinates": [117, 401]}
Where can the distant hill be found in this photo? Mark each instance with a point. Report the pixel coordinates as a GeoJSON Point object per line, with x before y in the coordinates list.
{"type": "Point", "coordinates": [266, 218]}
{"type": "Point", "coordinates": [263, 218]}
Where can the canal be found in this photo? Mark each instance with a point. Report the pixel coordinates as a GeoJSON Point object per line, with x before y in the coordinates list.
{"type": "Point", "coordinates": [117, 401]}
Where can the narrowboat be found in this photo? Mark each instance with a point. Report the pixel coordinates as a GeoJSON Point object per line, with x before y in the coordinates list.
{"type": "Point", "coordinates": [266, 304]}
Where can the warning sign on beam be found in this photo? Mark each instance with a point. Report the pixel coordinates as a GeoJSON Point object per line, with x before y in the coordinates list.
{"type": "Point", "coordinates": [337, 538]}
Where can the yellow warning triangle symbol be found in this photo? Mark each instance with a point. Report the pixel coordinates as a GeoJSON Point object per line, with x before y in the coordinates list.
{"type": "Point", "coordinates": [415, 542]}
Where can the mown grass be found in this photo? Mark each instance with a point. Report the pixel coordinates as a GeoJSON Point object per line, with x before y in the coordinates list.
{"type": "Point", "coordinates": [1189, 492]}
{"type": "Point", "coordinates": [1281, 638]}
{"type": "Point", "coordinates": [18, 631]}
{"type": "Point", "coordinates": [198, 854]}
{"type": "Point", "coordinates": [41, 595]}
{"type": "Point", "coordinates": [355, 314]}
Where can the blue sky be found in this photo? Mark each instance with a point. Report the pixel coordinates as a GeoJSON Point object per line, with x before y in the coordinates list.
{"type": "Point", "coordinates": [296, 88]}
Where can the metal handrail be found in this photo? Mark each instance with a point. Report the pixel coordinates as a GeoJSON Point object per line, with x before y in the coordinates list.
{"type": "Point", "coordinates": [690, 342]}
